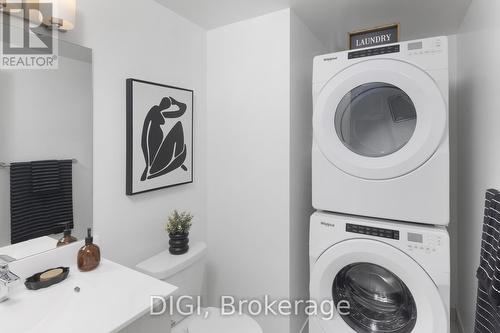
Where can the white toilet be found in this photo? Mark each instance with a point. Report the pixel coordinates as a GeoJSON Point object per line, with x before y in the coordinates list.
{"type": "Point", "coordinates": [187, 272]}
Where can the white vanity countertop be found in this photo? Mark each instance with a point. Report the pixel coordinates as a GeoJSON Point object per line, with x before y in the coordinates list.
{"type": "Point", "coordinates": [110, 298]}
{"type": "Point", "coordinates": [29, 248]}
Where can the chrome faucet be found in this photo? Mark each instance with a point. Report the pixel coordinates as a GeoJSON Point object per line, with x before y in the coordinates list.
{"type": "Point", "coordinates": [7, 280]}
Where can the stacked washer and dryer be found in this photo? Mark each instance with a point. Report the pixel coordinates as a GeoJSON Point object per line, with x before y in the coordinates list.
{"type": "Point", "coordinates": [380, 163]}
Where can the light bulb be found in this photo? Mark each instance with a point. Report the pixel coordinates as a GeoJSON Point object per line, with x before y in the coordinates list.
{"type": "Point", "coordinates": [63, 15]}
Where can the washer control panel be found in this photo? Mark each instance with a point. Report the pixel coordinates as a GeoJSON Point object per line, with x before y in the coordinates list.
{"type": "Point", "coordinates": [372, 231]}
{"type": "Point", "coordinates": [423, 242]}
{"type": "Point", "coordinates": [416, 242]}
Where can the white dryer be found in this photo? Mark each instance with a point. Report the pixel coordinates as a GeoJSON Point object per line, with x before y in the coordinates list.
{"type": "Point", "coordinates": [381, 141]}
{"type": "Point", "coordinates": [394, 276]}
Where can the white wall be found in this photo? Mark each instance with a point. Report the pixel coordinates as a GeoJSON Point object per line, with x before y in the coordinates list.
{"type": "Point", "coordinates": [259, 147]}
{"type": "Point", "coordinates": [304, 46]}
{"type": "Point", "coordinates": [479, 137]}
{"type": "Point", "coordinates": [453, 129]}
{"type": "Point", "coordinates": [144, 41]}
{"type": "Point", "coordinates": [248, 160]}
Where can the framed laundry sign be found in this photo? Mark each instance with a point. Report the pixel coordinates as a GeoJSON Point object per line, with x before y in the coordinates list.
{"type": "Point", "coordinates": [159, 136]}
{"type": "Point", "coordinates": [381, 35]}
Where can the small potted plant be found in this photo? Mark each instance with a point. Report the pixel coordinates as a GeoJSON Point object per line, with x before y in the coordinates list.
{"type": "Point", "coordinates": [178, 226]}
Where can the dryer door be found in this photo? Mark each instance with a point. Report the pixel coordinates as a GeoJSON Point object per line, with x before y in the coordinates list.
{"type": "Point", "coordinates": [380, 119]}
{"type": "Point", "coordinates": [387, 291]}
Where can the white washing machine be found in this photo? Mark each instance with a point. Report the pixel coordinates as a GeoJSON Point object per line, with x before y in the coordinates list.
{"type": "Point", "coordinates": [381, 142]}
{"type": "Point", "coordinates": [394, 276]}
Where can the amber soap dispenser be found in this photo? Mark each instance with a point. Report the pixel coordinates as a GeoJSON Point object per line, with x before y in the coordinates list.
{"type": "Point", "coordinates": [89, 255]}
{"type": "Point", "coordinates": [67, 238]}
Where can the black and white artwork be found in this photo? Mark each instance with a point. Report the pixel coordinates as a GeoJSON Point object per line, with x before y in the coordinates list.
{"type": "Point", "coordinates": [159, 136]}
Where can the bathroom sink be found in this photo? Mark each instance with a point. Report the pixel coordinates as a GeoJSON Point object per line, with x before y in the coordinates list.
{"type": "Point", "coordinates": [104, 300]}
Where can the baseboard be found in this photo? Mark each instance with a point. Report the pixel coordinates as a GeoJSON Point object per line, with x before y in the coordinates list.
{"type": "Point", "coordinates": [455, 316]}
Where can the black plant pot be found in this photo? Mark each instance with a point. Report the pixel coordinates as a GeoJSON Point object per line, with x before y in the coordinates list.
{"type": "Point", "coordinates": [178, 243]}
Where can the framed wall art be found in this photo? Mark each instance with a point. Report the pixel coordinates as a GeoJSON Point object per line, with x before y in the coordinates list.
{"type": "Point", "coordinates": [159, 136]}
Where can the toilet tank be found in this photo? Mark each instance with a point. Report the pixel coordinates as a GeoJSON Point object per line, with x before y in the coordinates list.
{"type": "Point", "coordinates": [186, 272]}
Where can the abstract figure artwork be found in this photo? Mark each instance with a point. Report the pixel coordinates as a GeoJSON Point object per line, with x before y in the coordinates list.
{"type": "Point", "coordinates": [163, 154]}
{"type": "Point", "coordinates": [159, 136]}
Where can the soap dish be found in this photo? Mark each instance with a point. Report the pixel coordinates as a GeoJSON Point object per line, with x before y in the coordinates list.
{"type": "Point", "coordinates": [47, 278]}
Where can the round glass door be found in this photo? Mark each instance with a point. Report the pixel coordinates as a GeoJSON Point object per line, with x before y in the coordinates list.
{"type": "Point", "coordinates": [375, 119]}
{"type": "Point", "coordinates": [384, 290]}
{"type": "Point", "coordinates": [379, 119]}
{"type": "Point", "coordinates": [379, 301]}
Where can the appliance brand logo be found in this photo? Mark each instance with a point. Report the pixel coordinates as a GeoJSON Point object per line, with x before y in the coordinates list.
{"type": "Point", "coordinates": [330, 59]}
{"type": "Point", "coordinates": [329, 225]}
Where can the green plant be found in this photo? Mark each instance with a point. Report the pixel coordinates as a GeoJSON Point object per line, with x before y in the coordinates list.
{"type": "Point", "coordinates": [179, 223]}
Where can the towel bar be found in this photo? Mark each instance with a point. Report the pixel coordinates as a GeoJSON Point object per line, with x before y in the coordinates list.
{"type": "Point", "coordinates": [5, 165]}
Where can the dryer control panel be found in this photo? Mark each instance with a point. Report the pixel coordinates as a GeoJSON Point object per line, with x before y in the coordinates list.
{"type": "Point", "coordinates": [426, 47]}
{"type": "Point", "coordinates": [373, 51]}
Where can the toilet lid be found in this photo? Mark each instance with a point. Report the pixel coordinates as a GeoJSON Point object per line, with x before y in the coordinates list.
{"type": "Point", "coordinates": [216, 323]}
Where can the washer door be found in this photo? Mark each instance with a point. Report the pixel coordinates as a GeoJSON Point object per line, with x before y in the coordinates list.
{"type": "Point", "coordinates": [387, 291]}
{"type": "Point", "coordinates": [380, 119]}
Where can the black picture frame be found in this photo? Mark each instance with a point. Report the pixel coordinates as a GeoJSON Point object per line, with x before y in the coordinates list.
{"type": "Point", "coordinates": [131, 145]}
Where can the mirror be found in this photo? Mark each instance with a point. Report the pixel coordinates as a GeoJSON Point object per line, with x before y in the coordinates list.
{"type": "Point", "coordinates": [45, 115]}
